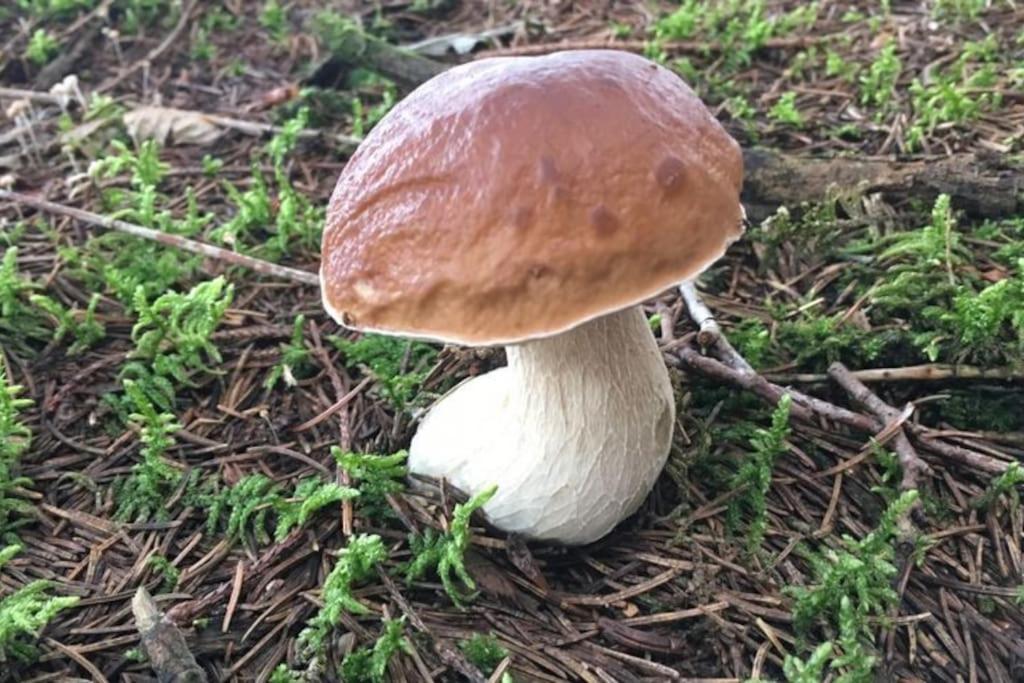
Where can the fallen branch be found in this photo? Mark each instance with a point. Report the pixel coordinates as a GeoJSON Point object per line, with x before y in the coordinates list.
{"type": "Point", "coordinates": [260, 266]}
{"type": "Point", "coordinates": [911, 463]}
{"type": "Point", "coordinates": [804, 407]}
{"type": "Point", "coordinates": [356, 48]}
{"type": "Point", "coordinates": [981, 185]}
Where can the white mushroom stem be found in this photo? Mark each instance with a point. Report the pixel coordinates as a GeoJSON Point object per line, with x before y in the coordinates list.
{"type": "Point", "coordinates": [574, 431]}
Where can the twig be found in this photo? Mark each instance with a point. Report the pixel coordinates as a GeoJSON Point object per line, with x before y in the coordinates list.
{"type": "Point", "coordinates": [700, 314]}
{"type": "Point", "coordinates": [929, 372]}
{"type": "Point", "coordinates": [733, 368]}
{"type": "Point", "coordinates": [164, 644]}
{"type": "Point", "coordinates": [267, 268]}
{"type": "Point", "coordinates": [710, 335]}
{"type": "Point", "coordinates": [804, 407]}
{"type": "Point", "coordinates": [911, 463]}
{"type": "Point", "coordinates": [338, 405]}
{"type": "Point", "coordinates": [966, 457]}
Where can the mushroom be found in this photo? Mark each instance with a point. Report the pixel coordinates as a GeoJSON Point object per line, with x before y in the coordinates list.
{"type": "Point", "coordinates": [535, 202]}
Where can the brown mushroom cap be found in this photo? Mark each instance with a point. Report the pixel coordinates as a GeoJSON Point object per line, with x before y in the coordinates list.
{"type": "Point", "coordinates": [514, 198]}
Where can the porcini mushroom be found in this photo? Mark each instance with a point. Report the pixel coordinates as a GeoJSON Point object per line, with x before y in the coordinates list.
{"type": "Point", "coordinates": [535, 202]}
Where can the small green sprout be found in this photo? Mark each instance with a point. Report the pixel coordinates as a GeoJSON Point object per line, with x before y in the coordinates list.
{"type": "Point", "coordinates": [282, 674]}
{"type": "Point", "coordinates": [852, 585]}
{"type": "Point", "coordinates": [202, 50]}
{"type": "Point", "coordinates": [1004, 485]}
{"type": "Point", "coordinates": [812, 670]}
{"type": "Point", "coordinates": [333, 29]}
{"type": "Point", "coordinates": [274, 19]}
{"type": "Point", "coordinates": [25, 612]}
{"type": "Point", "coordinates": [173, 337]}
{"type": "Point", "coordinates": [785, 111]}
{"type": "Point", "coordinates": [18, 319]}
{"type": "Point", "coordinates": [485, 652]}
{"type": "Point", "coordinates": [42, 47]}
{"type": "Point", "coordinates": [135, 655]}
{"type": "Point", "coordinates": [356, 564]}
{"type": "Point", "coordinates": [168, 571]}
{"type": "Point", "coordinates": [294, 357]}
{"type": "Point", "coordinates": [250, 503]}
{"type": "Point", "coordinates": [311, 496]}
{"type": "Point", "coordinates": [364, 118]}
{"type": "Point", "coordinates": [296, 222]}
{"type": "Point", "coordinates": [396, 364]}
{"type": "Point", "coordinates": [959, 10]}
{"type": "Point", "coordinates": [83, 327]}
{"type": "Point", "coordinates": [370, 665]}
{"type": "Point", "coordinates": [376, 476]}
{"type": "Point", "coordinates": [211, 165]}
{"type": "Point", "coordinates": [445, 553]}
{"type": "Point", "coordinates": [15, 438]}
{"type": "Point", "coordinates": [144, 493]}
{"type": "Point", "coordinates": [879, 82]}
{"type": "Point", "coordinates": [755, 475]}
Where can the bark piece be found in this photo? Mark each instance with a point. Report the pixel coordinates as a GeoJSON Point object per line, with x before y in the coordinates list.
{"type": "Point", "coordinates": [164, 644]}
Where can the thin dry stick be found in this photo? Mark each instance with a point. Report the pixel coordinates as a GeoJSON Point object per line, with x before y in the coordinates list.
{"type": "Point", "coordinates": [805, 406]}
{"type": "Point", "coordinates": [733, 368]}
{"type": "Point", "coordinates": [710, 335]}
{"type": "Point", "coordinates": [700, 314]}
{"type": "Point", "coordinates": [260, 266]}
{"type": "Point", "coordinates": [911, 463]}
{"type": "Point", "coordinates": [929, 372]}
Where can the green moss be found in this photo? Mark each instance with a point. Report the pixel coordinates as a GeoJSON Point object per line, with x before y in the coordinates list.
{"type": "Point", "coordinates": [25, 612]}
{"type": "Point", "coordinates": [445, 553]}
{"type": "Point", "coordinates": [852, 586]}
{"type": "Point", "coordinates": [15, 438]}
{"type": "Point", "coordinates": [144, 493]}
{"type": "Point", "coordinates": [375, 476]}
{"type": "Point", "coordinates": [356, 564]}
{"type": "Point", "coordinates": [398, 365]}
{"type": "Point", "coordinates": [755, 476]}
{"type": "Point", "coordinates": [484, 651]}
{"type": "Point", "coordinates": [370, 665]}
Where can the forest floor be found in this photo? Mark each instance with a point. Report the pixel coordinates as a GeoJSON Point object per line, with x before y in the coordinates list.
{"type": "Point", "coordinates": [190, 427]}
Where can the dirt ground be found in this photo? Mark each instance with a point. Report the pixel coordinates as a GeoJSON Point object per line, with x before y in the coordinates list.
{"type": "Point", "coordinates": [759, 545]}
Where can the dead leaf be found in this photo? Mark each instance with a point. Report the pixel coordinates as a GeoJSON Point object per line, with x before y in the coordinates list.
{"type": "Point", "coordinates": [174, 126]}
